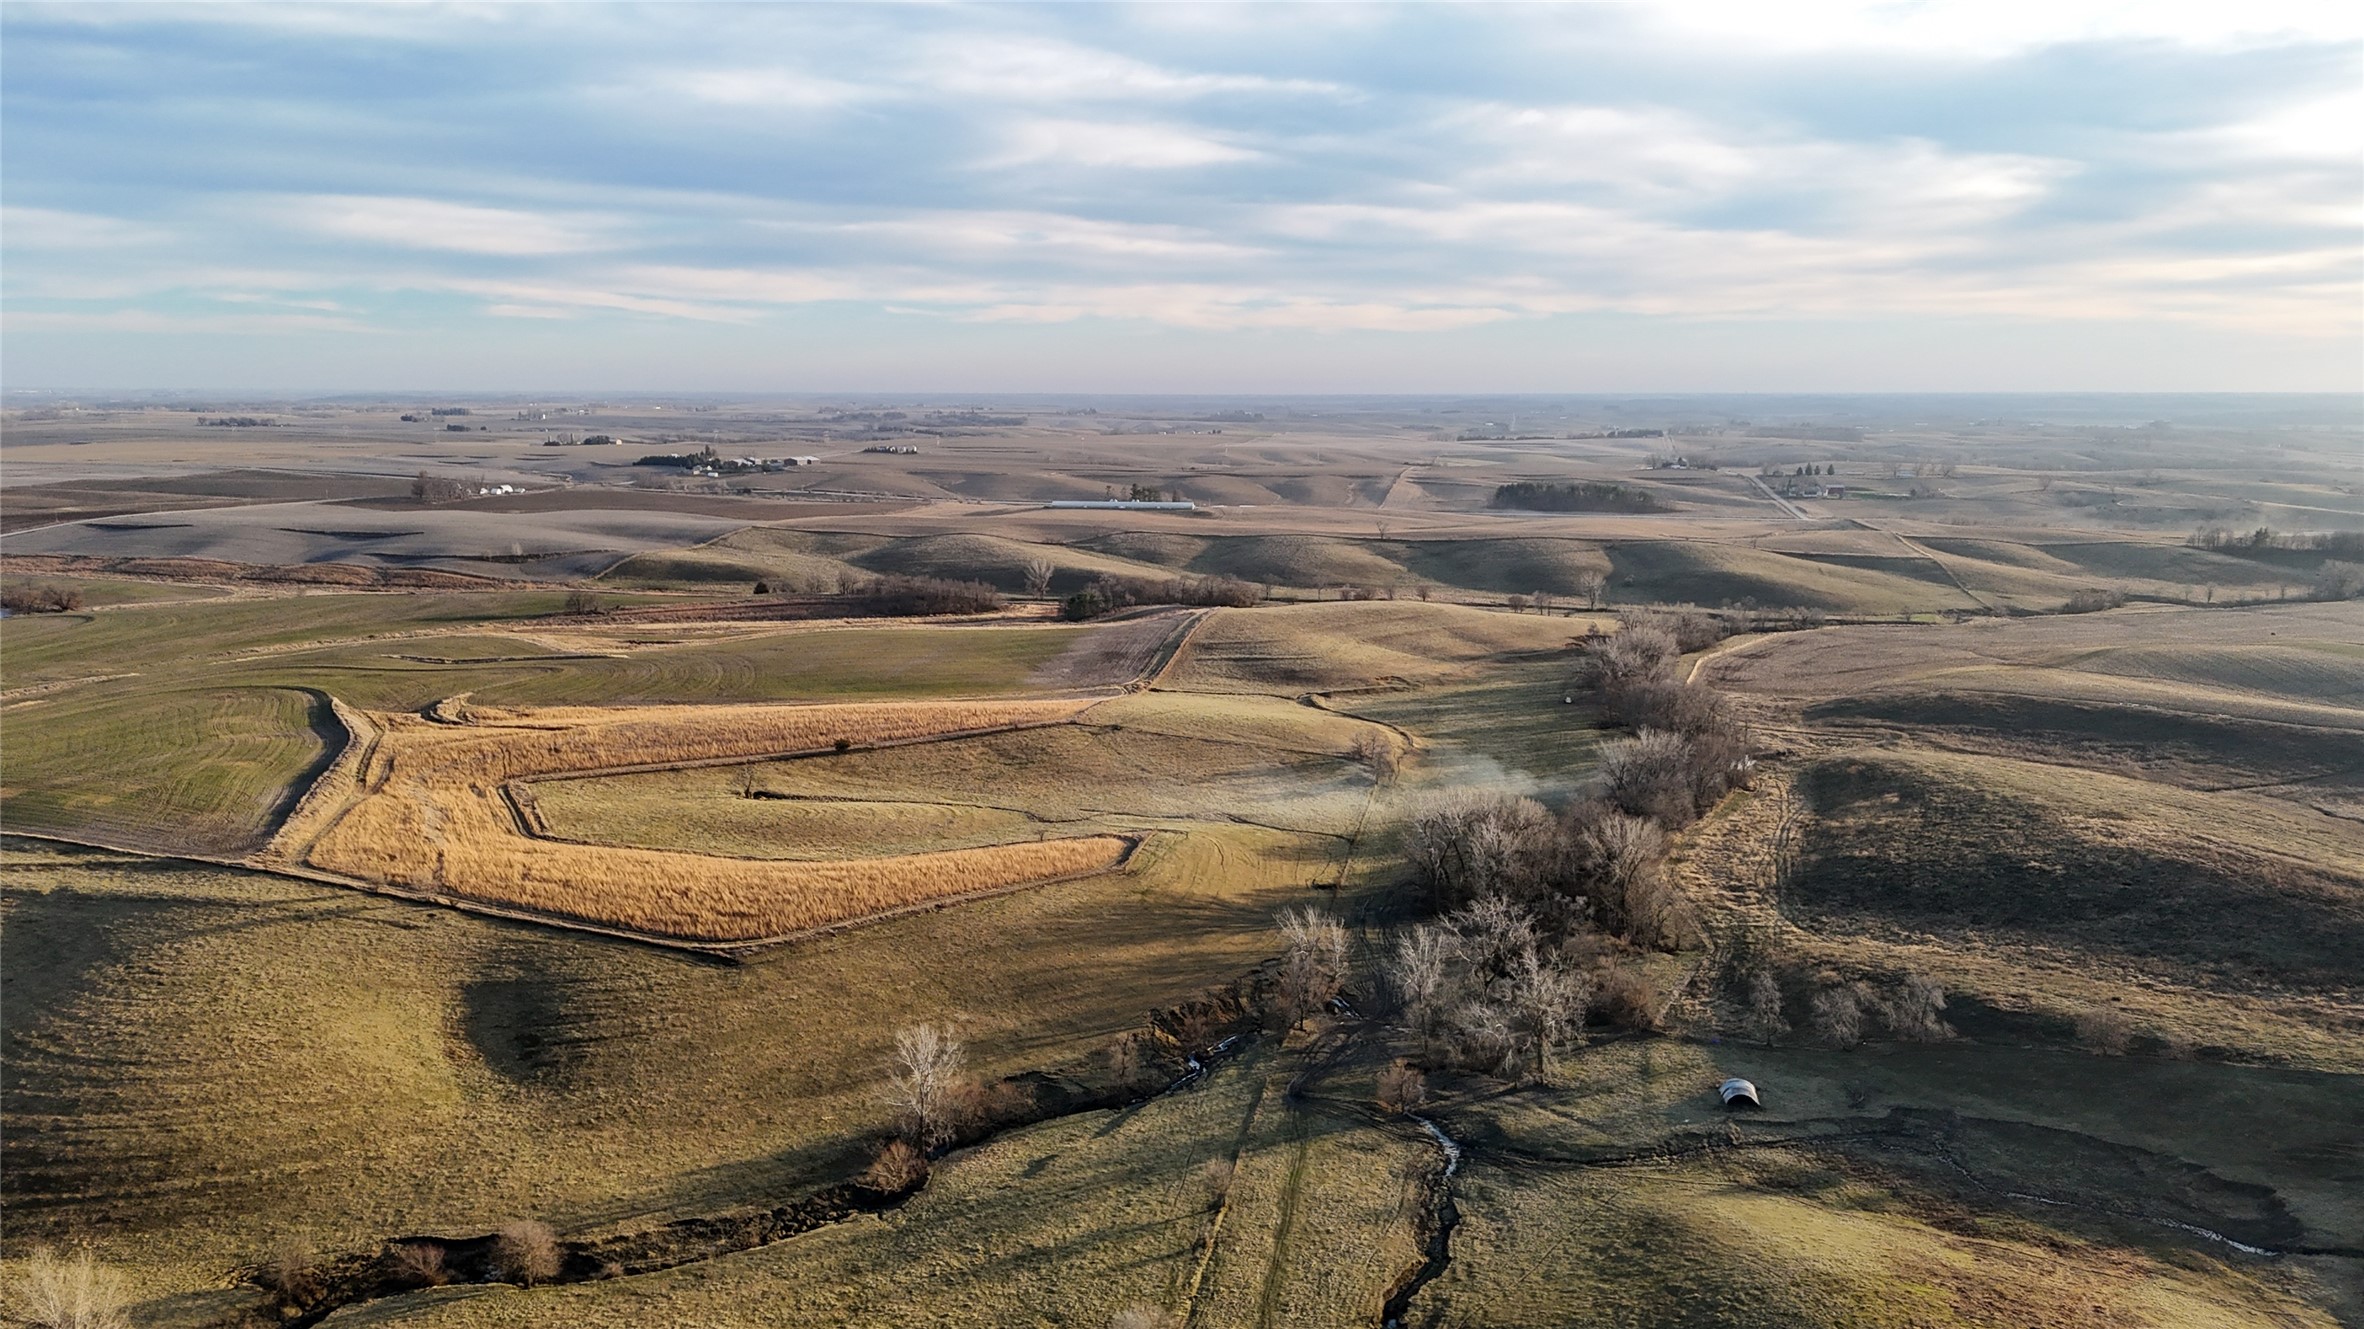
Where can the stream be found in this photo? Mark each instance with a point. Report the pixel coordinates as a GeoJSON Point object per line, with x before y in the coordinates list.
{"type": "Point", "coordinates": [1443, 1218]}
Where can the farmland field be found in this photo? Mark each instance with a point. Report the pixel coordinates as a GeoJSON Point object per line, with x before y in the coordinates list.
{"type": "Point", "coordinates": [344, 908]}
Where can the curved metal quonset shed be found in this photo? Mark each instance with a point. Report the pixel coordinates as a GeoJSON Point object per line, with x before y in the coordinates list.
{"type": "Point", "coordinates": [1739, 1093]}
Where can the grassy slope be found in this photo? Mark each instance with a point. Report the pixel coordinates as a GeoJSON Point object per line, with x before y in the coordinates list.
{"type": "Point", "coordinates": [202, 1062]}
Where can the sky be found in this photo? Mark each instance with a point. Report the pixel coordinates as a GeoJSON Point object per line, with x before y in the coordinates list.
{"type": "Point", "coordinates": [1170, 198]}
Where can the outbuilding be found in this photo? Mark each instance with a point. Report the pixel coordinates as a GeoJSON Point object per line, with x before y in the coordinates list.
{"type": "Point", "coordinates": [1739, 1093]}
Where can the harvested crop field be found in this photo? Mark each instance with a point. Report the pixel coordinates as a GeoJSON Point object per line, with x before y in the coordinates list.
{"type": "Point", "coordinates": [1134, 762]}
{"type": "Point", "coordinates": [420, 804]}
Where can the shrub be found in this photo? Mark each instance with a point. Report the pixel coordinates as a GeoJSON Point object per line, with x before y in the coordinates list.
{"type": "Point", "coordinates": [1622, 875]}
{"type": "Point", "coordinates": [584, 602]}
{"type": "Point", "coordinates": [1216, 1173]}
{"type": "Point", "coordinates": [1109, 594]}
{"type": "Point", "coordinates": [1638, 649]}
{"type": "Point", "coordinates": [291, 1274]}
{"type": "Point", "coordinates": [526, 1252]}
{"type": "Point", "coordinates": [436, 489]}
{"type": "Point", "coordinates": [2105, 1029]}
{"type": "Point", "coordinates": [56, 1292]}
{"type": "Point", "coordinates": [40, 599]}
{"type": "Point", "coordinates": [1692, 628]}
{"type": "Point", "coordinates": [1626, 999]}
{"type": "Point", "coordinates": [1476, 1035]}
{"type": "Point", "coordinates": [420, 1263]}
{"type": "Point", "coordinates": [1144, 1317]}
{"type": "Point", "coordinates": [897, 1168]}
{"type": "Point", "coordinates": [1662, 703]}
{"type": "Point", "coordinates": [1402, 1087]}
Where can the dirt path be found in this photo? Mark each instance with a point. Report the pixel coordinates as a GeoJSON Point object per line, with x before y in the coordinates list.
{"type": "Point", "coordinates": [1792, 509]}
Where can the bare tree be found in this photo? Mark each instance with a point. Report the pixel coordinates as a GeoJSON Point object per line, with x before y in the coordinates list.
{"type": "Point", "coordinates": [1625, 878]}
{"type": "Point", "coordinates": [1838, 1016]}
{"type": "Point", "coordinates": [1542, 602]}
{"type": "Point", "coordinates": [1545, 1003]}
{"type": "Point", "coordinates": [1420, 974]}
{"type": "Point", "coordinates": [1491, 933]}
{"type": "Point", "coordinates": [1591, 585]}
{"type": "Point", "coordinates": [1038, 578]}
{"type": "Point", "coordinates": [1315, 965]}
{"type": "Point", "coordinates": [1913, 1011]}
{"type": "Point", "coordinates": [1374, 749]}
{"type": "Point", "coordinates": [1761, 996]}
{"type": "Point", "coordinates": [925, 1083]}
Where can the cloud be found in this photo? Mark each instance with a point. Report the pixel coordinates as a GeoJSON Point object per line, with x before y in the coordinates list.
{"type": "Point", "coordinates": [425, 223]}
{"type": "Point", "coordinates": [1036, 69]}
{"type": "Point", "coordinates": [1152, 147]}
{"type": "Point", "coordinates": [53, 228]}
{"type": "Point", "coordinates": [1416, 172]}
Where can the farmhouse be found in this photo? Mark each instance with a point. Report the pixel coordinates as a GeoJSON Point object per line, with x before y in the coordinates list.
{"type": "Point", "coordinates": [1122, 505]}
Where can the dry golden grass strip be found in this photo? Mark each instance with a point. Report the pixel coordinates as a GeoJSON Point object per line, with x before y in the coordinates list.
{"type": "Point", "coordinates": [431, 814]}
{"type": "Point", "coordinates": [331, 794]}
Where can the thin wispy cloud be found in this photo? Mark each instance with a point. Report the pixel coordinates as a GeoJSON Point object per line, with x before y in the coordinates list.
{"type": "Point", "coordinates": [2181, 184]}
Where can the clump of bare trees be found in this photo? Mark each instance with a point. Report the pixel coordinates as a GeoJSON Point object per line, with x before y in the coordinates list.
{"type": "Point", "coordinates": [1481, 989]}
{"type": "Point", "coordinates": [927, 1085]}
{"type": "Point", "coordinates": [1593, 865]}
{"type": "Point", "coordinates": [1106, 595]}
{"type": "Point", "coordinates": [1828, 1008]}
{"type": "Point", "coordinates": [1466, 846]}
{"type": "Point", "coordinates": [437, 489]}
{"type": "Point", "coordinates": [896, 595]}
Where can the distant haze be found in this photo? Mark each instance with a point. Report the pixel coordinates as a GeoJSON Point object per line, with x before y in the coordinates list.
{"type": "Point", "coordinates": [1075, 199]}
